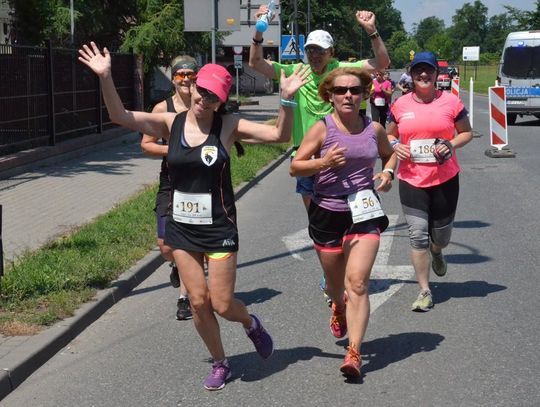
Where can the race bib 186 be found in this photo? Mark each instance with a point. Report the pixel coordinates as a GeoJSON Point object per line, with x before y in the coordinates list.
{"type": "Point", "coordinates": [422, 150]}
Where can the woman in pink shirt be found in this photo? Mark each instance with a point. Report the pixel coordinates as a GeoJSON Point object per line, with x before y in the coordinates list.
{"type": "Point", "coordinates": [426, 127]}
{"type": "Point", "coordinates": [380, 99]}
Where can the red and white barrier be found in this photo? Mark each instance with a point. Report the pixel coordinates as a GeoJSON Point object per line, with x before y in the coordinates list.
{"type": "Point", "coordinates": [455, 87]}
{"type": "Point", "coordinates": [497, 117]}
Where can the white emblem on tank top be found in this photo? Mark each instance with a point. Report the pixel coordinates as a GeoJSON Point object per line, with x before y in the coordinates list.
{"type": "Point", "coordinates": [364, 206]}
{"type": "Point", "coordinates": [209, 155]}
{"type": "Point", "coordinates": [195, 209]}
{"type": "Point", "coordinates": [422, 150]}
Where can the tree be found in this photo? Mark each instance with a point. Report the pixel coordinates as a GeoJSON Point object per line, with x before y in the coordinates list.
{"type": "Point", "coordinates": [400, 46]}
{"type": "Point", "coordinates": [102, 21]}
{"type": "Point", "coordinates": [338, 18]}
{"type": "Point", "coordinates": [159, 34]}
{"type": "Point", "coordinates": [427, 29]}
{"type": "Point", "coordinates": [525, 20]}
{"type": "Point", "coordinates": [469, 26]}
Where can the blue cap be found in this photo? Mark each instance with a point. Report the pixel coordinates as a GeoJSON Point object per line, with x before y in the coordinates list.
{"type": "Point", "coordinates": [425, 57]}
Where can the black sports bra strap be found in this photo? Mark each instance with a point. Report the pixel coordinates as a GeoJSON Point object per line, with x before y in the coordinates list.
{"type": "Point", "coordinates": [170, 105]}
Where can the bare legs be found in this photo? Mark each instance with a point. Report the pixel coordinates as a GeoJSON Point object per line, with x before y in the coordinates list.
{"type": "Point", "coordinates": [213, 295]}
{"type": "Point", "coordinates": [350, 271]}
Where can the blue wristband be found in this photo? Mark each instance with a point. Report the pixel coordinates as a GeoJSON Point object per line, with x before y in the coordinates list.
{"type": "Point", "coordinates": [288, 103]}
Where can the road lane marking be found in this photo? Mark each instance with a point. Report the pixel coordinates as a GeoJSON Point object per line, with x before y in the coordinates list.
{"type": "Point", "coordinates": [385, 280]}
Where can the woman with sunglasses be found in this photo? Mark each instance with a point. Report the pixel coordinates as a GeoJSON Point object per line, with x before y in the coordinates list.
{"type": "Point", "coordinates": [345, 216]}
{"type": "Point", "coordinates": [183, 71]}
{"type": "Point", "coordinates": [203, 219]}
{"type": "Point", "coordinates": [425, 128]}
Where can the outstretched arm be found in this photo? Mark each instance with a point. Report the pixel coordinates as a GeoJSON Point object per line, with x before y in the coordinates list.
{"type": "Point", "coordinates": [155, 124]}
{"type": "Point", "coordinates": [366, 20]}
{"type": "Point", "coordinates": [256, 59]}
{"type": "Point", "coordinates": [252, 132]}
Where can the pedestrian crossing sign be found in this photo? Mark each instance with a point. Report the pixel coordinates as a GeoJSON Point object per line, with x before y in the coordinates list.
{"type": "Point", "coordinates": [289, 46]}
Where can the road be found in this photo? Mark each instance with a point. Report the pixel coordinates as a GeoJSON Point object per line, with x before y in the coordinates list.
{"type": "Point", "coordinates": [477, 347]}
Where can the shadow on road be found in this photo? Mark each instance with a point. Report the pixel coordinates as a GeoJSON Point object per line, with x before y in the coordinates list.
{"type": "Point", "coordinates": [381, 352]}
{"type": "Point", "coordinates": [257, 296]}
{"type": "Point", "coordinates": [251, 369]}
{"type": "Point", "coordinates": [444, 291]}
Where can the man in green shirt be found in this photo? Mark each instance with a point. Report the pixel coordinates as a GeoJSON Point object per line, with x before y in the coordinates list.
{"type": "Point", "coordinates": [319, 49]}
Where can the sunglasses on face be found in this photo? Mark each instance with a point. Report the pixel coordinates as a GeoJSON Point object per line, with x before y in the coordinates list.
{"type": "Point", "coordinates": [342, 90]}
{"type": "Point", "coordinates": [423, 68]}
{"type": "Point", "coordinates": [316, 51]}
{"type": "Point", "coordinates": [180, 76]}
{"type": "Point", "coordinates": [207, 95]}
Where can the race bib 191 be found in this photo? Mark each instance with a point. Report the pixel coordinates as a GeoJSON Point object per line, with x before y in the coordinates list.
{"type": "Point", "coordinates": [195, 209]}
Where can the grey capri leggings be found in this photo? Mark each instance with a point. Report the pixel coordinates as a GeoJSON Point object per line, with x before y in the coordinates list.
{"type": "Point", "coordinates": [430, 212]}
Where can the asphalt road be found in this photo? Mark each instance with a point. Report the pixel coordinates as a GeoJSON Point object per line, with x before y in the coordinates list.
{"type": "Point", "coordinates": [477, 347]}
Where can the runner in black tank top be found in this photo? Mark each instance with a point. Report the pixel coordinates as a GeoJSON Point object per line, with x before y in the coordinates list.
{"type": "Point", "coordinates": [183, 71]}
{"type": "Point", "coordinates": [203, 169]}
{"type": "Point", "coordinates": [203, 219]}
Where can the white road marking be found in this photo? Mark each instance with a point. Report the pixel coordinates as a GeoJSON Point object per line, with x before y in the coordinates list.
{"type": "Point", "coordinates": [385, 280]}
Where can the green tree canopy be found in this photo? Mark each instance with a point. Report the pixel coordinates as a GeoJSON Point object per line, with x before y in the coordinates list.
{"type": "Point", "coordinates": [427, 29]}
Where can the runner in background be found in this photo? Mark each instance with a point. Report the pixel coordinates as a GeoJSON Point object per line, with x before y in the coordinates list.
{"type": "Point", "coordinates": [426, 126]}
{"type": "Point", "coordinates": [183, 72]}
{"type": "Point", "coordinates": [405, 83]}
{"type": "Point", "coordinates": [380, 99]}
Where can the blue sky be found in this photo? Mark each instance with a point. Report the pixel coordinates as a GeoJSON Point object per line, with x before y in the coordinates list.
{"type": "Point", "coordinates": [445, 9]}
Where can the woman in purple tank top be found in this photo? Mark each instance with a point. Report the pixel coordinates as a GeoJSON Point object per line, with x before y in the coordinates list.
{"type": "Point", "coordinates": [345, 215]}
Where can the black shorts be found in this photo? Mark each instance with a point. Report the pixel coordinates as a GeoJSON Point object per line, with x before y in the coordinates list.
{"type": "Point", "coordinates": [329, 229]}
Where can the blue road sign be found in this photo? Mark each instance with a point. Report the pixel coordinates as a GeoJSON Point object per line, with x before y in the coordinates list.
{"type": "Point", "coordinates": [288, 46]}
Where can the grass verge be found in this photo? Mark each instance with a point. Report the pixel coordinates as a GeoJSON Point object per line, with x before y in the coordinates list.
{"type": "Point", "coordinates": [47, 285]}
{"type": "Point", "coordinates": [483, 77]}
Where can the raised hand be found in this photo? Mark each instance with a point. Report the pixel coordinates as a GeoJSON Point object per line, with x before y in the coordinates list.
{"type": "Point", "coordinates": [289, 85]}
{"type": "Point", "coordinates": [97, 61]}
{"type": "Point", "coordinates": [366, 19]}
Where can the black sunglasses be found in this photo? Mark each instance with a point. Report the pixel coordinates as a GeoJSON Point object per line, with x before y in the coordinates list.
{"type": "Point", "coordinates": [342, 90]}
{"type": "Point", "coordinates": [210, 97]}
{"type": "Point", "coordinates": [316, 51]}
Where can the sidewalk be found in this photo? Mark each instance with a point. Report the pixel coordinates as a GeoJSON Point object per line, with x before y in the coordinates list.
{"type": "Point", "coordinates": [49, 201]}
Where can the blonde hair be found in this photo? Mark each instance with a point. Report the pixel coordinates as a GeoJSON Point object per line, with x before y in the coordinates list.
{"type": "Point", "coordinates": [325, 88]}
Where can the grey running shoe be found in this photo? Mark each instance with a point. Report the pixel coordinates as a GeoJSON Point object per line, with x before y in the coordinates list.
{"type": "Point", "coordinates": [221, 372]}
{"type": "Point", "coordinates": [264, 345]}
{"type": "Point", "coordinates": [424, 302]}
{"type": "Point", "coordinates": [174, 277]}
{"type": "Point", "coordinates": [438, 264]}
{"type": "Point", "coordinates": [184, 309]}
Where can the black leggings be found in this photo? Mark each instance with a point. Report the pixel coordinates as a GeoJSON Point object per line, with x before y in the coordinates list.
{"type": "Point", "coordinates": [379, 114]}
{"type": "Point", "coordinates": [430, 212]}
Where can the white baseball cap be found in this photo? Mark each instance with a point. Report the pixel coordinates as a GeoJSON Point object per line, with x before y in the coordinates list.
{"type": "Point", "coordinates": [320, 38]}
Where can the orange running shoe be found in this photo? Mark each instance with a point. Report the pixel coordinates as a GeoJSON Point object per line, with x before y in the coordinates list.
{"type": "Point", "coordinates": [351, 363]}
{"type": "Point", "coordinates": [338, 322]}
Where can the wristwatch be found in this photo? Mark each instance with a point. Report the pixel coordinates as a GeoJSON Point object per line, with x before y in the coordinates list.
{"type": "Point", "coordinates": [390, 171]}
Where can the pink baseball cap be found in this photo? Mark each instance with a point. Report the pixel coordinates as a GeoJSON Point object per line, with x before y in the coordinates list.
{"type": "Point", "coordinates": [216, 79]}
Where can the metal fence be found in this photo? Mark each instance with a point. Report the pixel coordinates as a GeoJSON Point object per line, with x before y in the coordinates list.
{"type": "Point", "coordinates": [47, 96]}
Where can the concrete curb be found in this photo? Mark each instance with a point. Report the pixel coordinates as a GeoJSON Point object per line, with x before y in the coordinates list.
{"type": "Point", "coordinates": [18, 365]}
